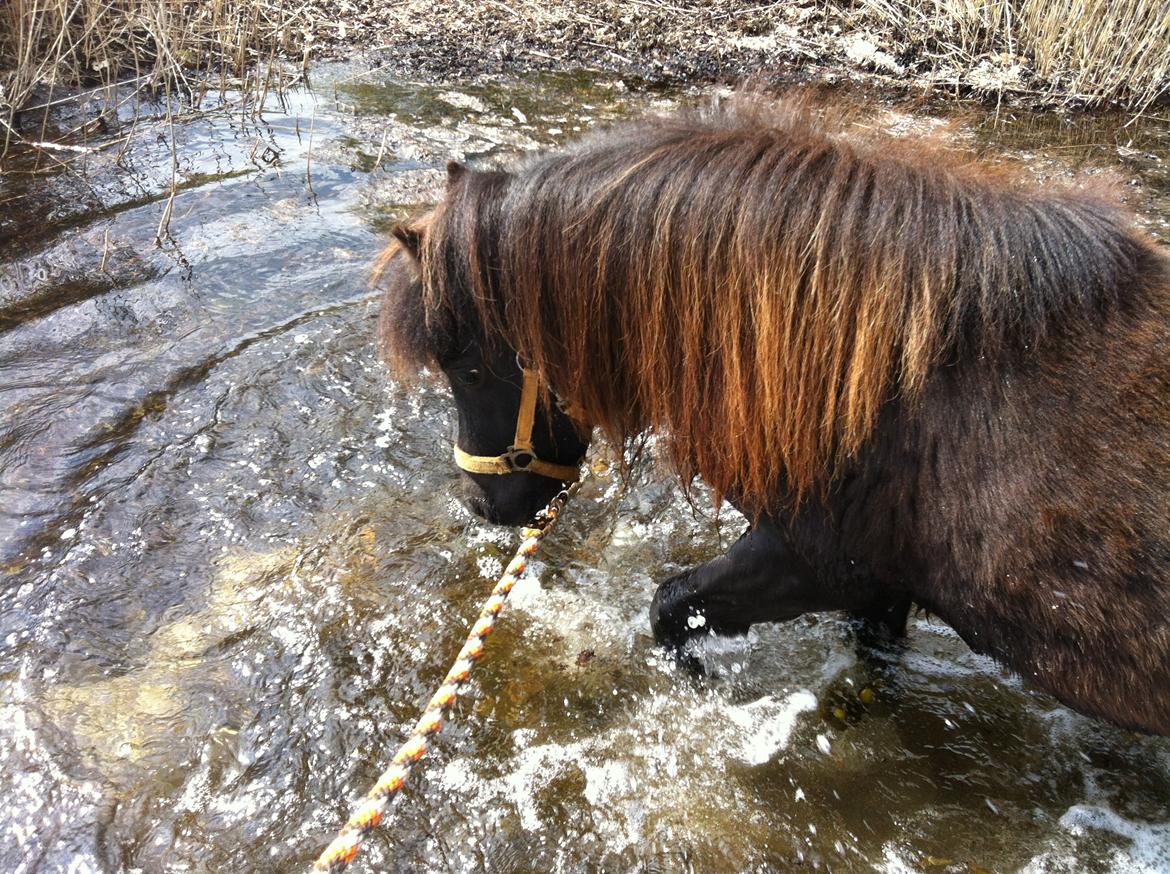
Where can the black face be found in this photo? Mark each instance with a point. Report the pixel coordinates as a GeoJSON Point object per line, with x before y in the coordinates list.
{"type": "Point", "coordinates": [487, 397]}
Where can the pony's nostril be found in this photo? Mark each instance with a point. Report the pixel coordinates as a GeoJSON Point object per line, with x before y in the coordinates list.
{"type": "Point", "coordinates": [476, 499]}
{"type": "Point", "coordinates": [479, 507]}
{"type": "Point", "coordinates": [472, 489]}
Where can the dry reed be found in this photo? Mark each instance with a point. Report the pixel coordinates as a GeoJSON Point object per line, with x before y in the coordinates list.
{"type": "Point", "coordinates": [1094, 51]}
{"type": "Point", "coordinates": [50, 48]}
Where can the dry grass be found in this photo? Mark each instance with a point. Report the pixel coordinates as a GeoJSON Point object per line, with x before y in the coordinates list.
{"type": "Point", "coordinates": [1095, 51]}
{"type": "Point", "coordinates": [177, 47]}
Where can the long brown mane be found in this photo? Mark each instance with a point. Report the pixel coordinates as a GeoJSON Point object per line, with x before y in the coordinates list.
{"type": "Point", "coordinates": [756, 283]}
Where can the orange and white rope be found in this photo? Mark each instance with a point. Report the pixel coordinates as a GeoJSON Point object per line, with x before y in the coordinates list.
{"type": "Point", "coordinates": [372, 809]}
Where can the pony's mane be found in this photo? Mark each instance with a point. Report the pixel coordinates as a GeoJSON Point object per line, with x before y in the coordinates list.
{"type": "Point", "coordinates": [754, 282]}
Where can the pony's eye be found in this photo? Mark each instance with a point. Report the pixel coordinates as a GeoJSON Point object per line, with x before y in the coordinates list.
{"type": "Point", "coordinates": [470, 377]}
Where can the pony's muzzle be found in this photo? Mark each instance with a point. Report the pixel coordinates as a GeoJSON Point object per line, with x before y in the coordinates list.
{"type": "Point", "coordinates": [475, 498]}
{"type": "Point", "coordinates": [508, 500]}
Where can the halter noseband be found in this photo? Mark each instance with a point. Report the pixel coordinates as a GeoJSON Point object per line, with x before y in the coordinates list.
{"type": "Point", "coordinates": [521, 456]}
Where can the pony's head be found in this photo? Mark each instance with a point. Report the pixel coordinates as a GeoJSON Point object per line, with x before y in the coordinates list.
{"type": "Point", "coordinates": [516, 446]}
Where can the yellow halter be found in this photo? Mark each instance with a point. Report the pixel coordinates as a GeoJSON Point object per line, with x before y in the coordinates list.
{"type": "Point", "coordinates": [520, 457]}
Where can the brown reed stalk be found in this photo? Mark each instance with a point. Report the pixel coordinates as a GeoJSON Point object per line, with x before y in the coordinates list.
{"type": "Point", "coordinates": [1094, 51]}
{"type": "Point", "coordinates": [53, 47]}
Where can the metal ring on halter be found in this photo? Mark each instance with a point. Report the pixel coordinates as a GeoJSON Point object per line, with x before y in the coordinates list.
{"type": "Point", "coordinates": [519, 457]}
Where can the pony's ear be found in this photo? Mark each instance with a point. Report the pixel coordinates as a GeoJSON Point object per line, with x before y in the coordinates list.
{"type": "Point", "coordinates": [455, 172]}
{"type": "Point", "coordinates": [410, 238]}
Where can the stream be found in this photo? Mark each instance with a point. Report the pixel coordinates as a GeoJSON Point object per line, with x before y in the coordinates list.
{"type": "Point", "coordinates": [233, 565]}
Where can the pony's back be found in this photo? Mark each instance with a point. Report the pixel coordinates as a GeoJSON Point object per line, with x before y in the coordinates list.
{"type": "Point", "coordinates": [758, 281]}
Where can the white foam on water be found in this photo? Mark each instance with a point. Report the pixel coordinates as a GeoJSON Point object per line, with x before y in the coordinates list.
{"type": "Point", "coordinates": [527, 592]}
{"type": "Point", "coordinates": [635, 774]}
{"type": "Point", "coordinates": [893, 863]}
{"type": "Point", "coordinates": [606, 781]}
{"type": "Point", "coordinates": [716, 645]}
{"type": "Point", "coordinates": [480, 534]}
{"type": "Point", "coordinates": [629, 532]}
{"type": "Point", "coordinates": [766, 725]}
{"type": "Point", "coordinates": [584, 618]}
{"type": "Point", "coordinates": [489, 566]}
{"type": "Point", "coordinates": [954, 660]}
{"type": "Point", "coordinates": [634, 779]}
{"type": "Point", "coordinates": [533, 767]}
{"type": "Point", "coordinates": [1148, 850]}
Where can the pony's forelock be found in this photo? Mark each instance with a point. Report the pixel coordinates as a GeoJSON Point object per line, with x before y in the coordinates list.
{"type": "Point", "coordinates": [417, 327]}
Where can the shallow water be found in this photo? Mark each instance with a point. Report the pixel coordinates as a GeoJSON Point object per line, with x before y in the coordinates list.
{"type": "Point", "coordinates": [234, 569]}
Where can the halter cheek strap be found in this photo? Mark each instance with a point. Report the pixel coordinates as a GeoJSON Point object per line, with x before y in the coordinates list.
{"type": "Point", "coordinates": [521, 455]}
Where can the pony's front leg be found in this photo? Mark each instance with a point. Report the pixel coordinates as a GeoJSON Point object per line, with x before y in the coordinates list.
{"type": "Point", "coordinates": [760, 579]}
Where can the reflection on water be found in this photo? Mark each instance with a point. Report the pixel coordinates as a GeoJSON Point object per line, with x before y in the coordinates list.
{"type": "Point", "coordinates": [233, 567]}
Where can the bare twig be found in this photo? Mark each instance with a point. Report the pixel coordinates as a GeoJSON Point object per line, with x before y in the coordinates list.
{"type": "Point", "coordinates": [105, 252]}
{"type": "Point", "coordinates": [309, 151]}
{"type": "Point", "coordinates": [164, 223]}
{"type": "Point", "coordinates": [381, 149]}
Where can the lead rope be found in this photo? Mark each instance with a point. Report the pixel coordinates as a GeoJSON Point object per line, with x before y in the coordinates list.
{"type": "Point", "coordinates": [370, 812]}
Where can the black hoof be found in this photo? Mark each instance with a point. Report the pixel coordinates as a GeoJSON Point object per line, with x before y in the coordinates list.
{"type": "Point", "coordinates": [687, 662]}
{"type": "Point", "coordinates": [669, 614]}
{"type": "Point", "coordinates": [882, 628]}
{"type": "Point", "coordinates": [676, 620]}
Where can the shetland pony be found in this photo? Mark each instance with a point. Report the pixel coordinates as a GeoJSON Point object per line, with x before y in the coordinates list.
{"type": "Point", "coordinates": [921, 378]}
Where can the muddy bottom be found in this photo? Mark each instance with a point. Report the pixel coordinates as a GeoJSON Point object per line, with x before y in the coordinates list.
{"type": "Point", "coordinates": [234, 566]}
